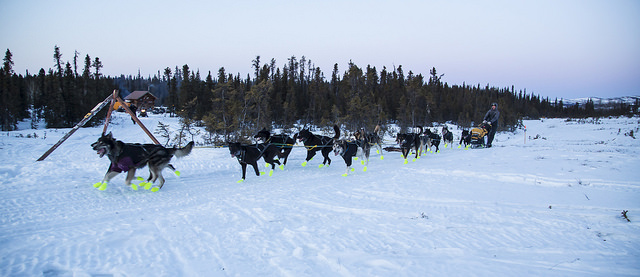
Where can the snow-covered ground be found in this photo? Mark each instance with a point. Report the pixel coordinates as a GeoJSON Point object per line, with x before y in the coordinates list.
{"type": "Point", "coordinates": [548, 207]}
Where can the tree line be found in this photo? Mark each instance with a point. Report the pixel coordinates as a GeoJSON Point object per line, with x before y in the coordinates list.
{"type": "Point", "coordinates": [297, 93]}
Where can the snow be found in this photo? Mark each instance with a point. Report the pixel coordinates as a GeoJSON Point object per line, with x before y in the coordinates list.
{"type": "Point", "coordinates": [548, 207]}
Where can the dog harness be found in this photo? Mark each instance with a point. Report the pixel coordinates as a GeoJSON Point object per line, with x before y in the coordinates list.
{"type": "Point", "coordinates": [123, 164]}
{"type": "Point", "coordinates": [244, 151]}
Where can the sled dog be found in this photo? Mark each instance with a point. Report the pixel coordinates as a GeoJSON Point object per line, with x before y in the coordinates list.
{"type": "Point", "coordinates": [408, 141]}
{"type": "Point", "coordinates": [250, 154]}
{"type": "Point", "coordinates": [128, 157]}
{"type": "Point", "coordinates": [315, 143]}
{"type": "Point", "coordinates": [282, 141]}
{"type": "Point", "coordinates": [432, 140]}
{"type": "Point", "coordinates": [349, 149]}
{"type": "Point", "coordinates": [447, 136]}
{"type": "Point", "coordinates": [374, 139]}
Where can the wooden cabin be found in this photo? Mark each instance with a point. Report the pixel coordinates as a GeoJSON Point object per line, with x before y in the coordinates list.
{"type": "Point", "coordinates": [143, 99]}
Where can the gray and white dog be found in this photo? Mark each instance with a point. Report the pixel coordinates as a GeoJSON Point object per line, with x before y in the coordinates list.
{"type": "Point", "coordinates": [128, 157]}
{"type": "Point", "coordinates": [352, 149]}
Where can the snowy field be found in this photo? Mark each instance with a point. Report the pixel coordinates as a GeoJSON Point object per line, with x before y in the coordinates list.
{"type": "Point", "coordinates": [548, 207]}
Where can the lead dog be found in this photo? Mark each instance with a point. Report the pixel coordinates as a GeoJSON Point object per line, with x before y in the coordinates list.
{"type": "Point", "coordinates": [128, 157]}
{"type": "Point", "coordinates": [349, 149]}
{"type": "Point", "coordinates": [283, 142]}
{"type": "Point", "coordinates": [250, 154]}
{"type": "Point", "coordinates": [315, 143]}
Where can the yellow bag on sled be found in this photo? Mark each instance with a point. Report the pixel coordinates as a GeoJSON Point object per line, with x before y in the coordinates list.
{"type": "Point", "coordinates": [478, 133]}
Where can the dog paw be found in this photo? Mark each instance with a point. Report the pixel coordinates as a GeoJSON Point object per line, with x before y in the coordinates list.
{"type": "Point", "coordinates": [381, 157]}
{"type": "Point", "coordinates": [364, 169]}
{"type": "Point", "coordinates": [345, 175]}
{"type": "Point", "coordinates": [177, 173]}
{"type": "Point", "coordinates": [414, 159]}
{"type": "Point", "coordinates": [98, 184]}
{"type": "Point", "coordinates": [262, 173]}
{"type": "Point", "coordinates": [355, 158]}
{"type": "Point", "coordinates": [266, 165]}
{"type": "Point", "coordinates": [270, 173]}
{"type": "Point", "coordinates": [362, 162]}
{"type": "Point", "coordinates": [406, 161]}
{"type": "Point", "coordinates": [155, 189]}
{"type": "Point", "coordinates": [240, 181]}
{"type": "Point", "coordinates": [134, 187]}
{"type": "Point", "coordinates": [103, 186]}
{"type": "Point", "coordinates": [304, 164]}
{"type": "Point", "coordinates": [147, 185]}
{"type": "Point", "coordinates": [377, 151]}
{"type": "Point", "coordinates": [281, 167]}
{"type": "Point", "coordinates": [321, 166]}
{"type": "Point", "coordinates": [139, 178]}
{"type": "Point", "coordinates": [459, 146]}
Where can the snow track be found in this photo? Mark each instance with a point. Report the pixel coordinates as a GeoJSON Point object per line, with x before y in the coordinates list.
{"type": "Point", "coordinates": [550, 207]}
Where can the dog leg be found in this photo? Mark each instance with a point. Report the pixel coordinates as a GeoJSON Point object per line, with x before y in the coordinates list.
{"type": "Point", "coordinates": [170, 166]}
{"type": "Point", "coordinates": [310, 154]}
{"type": "Point", "coordinates": [366, 160]}
{"type": "Point", "coordinates": [244, 172]}
{"type": "Point", "coordinates": [161, 182]}
{"type": "Point", "coordinates": [379, 150]}
{"type": "Point", "coordinates": [273, 166]}
{"type": "Point", "coordinates": [405, 153]}
{"type": "Point", "coordinates": [348, 161]}
{"type": "Point", "coordinates": [347, 172]}
{"type": "Point", "coordinates": [327, 160]}
{"type": "Point", "coordinates": [130, 175]}
{"type": "Point", "coordinates": [255, 168]}
{"type": "Point", "coordinates": [152, 178]}
{"type": "Point", "coordinates": [285, 155]}
{"type": "Point", "coordinates": [107, 177]}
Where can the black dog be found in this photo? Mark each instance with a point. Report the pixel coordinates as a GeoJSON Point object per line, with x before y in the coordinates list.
{"type": "Point", "coordinates": [447, 136]}
{"type": "Point", "coordinates": [128, 157]}
{"type": "Point", "coordinates": [283, 142]}
{"type": "Point", "coordinates": [349, 149]}
{"type": "Point", "coordinates": [465, 138]}
{"type": "Point", "coordinates": [373, 139]}
{"type": "Point", "coordinates": [315, 143]}
{"type": "Point", "coordinates": [408, 141]}
{"type": "Point", "coordinates": [432, 139]}
{"type": "Point", "coordinates": [250, 154]}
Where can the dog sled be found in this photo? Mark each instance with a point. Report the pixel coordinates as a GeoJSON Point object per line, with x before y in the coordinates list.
{"type": "Point", "coordinates": [478, 134]}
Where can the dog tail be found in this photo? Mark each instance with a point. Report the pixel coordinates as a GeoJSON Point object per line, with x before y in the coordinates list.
{"type": "Point", "coordinates": [335, 128]}
{"type": "Point", "coordinates": [181, 152]}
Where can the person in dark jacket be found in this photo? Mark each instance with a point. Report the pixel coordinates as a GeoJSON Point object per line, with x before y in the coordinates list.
{"type": "Point", "coordinates": [133, 109]}
{"type": "Point", "coordinates": [492, 117]}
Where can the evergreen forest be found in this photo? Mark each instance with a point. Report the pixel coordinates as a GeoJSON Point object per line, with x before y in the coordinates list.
{"type": "Point", "coordinates": [230, 105]}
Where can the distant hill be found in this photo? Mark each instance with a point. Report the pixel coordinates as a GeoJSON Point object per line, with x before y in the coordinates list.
{"type": "Point", "coordinates": [602, 103]}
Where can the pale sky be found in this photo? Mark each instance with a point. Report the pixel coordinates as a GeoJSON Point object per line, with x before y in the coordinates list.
{"type": "Point", "coordinates": [554, 48]}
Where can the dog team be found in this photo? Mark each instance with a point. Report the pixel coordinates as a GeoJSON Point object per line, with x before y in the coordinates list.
{"type": "Point", "coordinates": [128, 157]}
